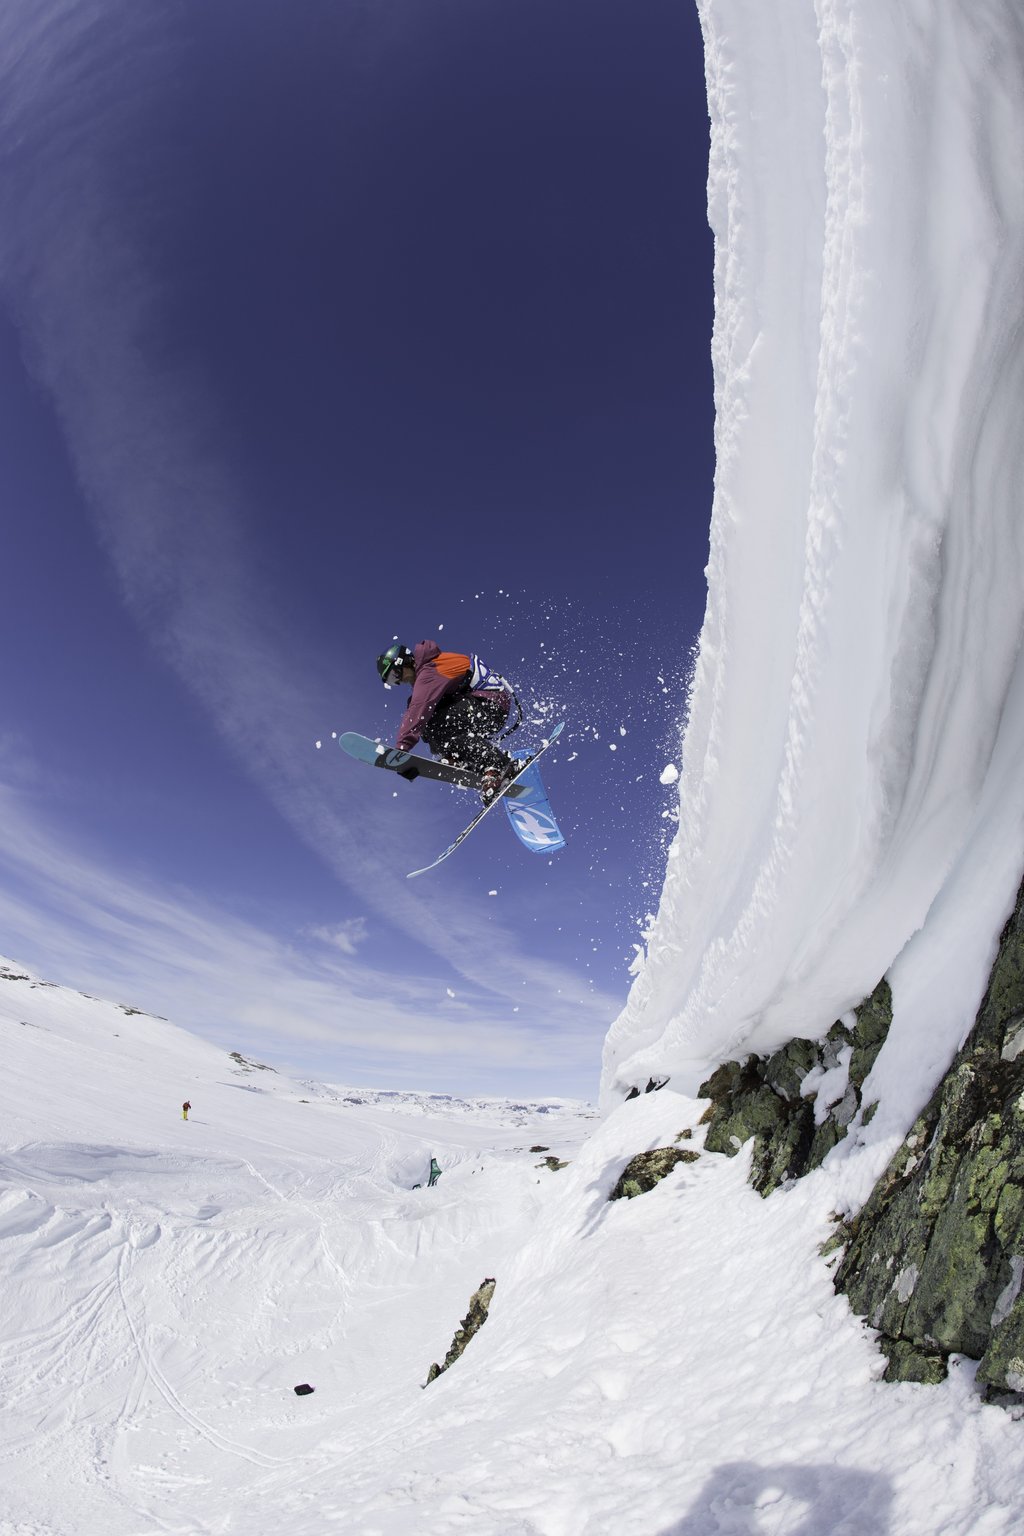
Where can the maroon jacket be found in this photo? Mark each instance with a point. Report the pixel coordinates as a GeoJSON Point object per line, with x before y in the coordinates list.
{"type": "Point", "coordinates": [438, 673]}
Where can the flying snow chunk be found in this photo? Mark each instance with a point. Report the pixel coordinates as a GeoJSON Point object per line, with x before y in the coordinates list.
{"type": "Point", "coordinates": [449, 991]}
{"type": "Point", "coordinates": [319, 745]}
{"type": "Point", "coordinates": [669, 774]}
{"type": "Point", "coordinates": [492, 893]}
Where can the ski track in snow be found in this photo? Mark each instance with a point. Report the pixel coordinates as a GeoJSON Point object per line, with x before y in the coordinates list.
{"type": "Point", "coordinates": [675, 1365]}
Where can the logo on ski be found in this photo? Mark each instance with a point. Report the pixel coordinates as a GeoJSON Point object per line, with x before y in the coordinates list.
{"type": "Point", "coordinates": [528, 780]}
{"type": "Point", "coordinates": [536, 828]}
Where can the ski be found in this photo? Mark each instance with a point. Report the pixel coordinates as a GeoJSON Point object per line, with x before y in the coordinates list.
{"type": "Point", "coordinates": [530, 814]}
{"type": "Point", "coordinates": [408, 765]}
{"type": "Point", "coordinates": [504, 793]}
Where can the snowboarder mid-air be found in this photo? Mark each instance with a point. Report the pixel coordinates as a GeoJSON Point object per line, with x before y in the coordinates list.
{"type": "Point", "coordinates": [458, 706]}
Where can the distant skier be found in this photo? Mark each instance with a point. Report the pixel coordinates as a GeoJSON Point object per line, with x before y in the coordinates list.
{"type": "Point", "coordinates": [185, 1109]}
{"type": "Point", "coordinates": [458, 706]}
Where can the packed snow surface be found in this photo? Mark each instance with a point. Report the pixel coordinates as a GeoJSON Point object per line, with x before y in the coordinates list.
{"type": "Point", "coordinates": [674, 1365]}
{"type": "Point", "coordinates": [851, 761]}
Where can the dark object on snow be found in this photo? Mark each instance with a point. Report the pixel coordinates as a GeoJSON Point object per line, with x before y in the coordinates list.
{"type": "Point", "coordinates": [553, 1163]}
{"type": "Point", "coordinates": [303, 1389]}
{"type": "Point", "coordinates": [471, 1324]}
{"type": "Point", "coordinates": [540, 1149]}
{"type": "Point", "coordinates": [652, 1087]}
{"type": "Point", "coordinates": [435, 1173]}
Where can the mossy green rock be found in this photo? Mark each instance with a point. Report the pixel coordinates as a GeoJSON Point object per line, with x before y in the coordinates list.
{"type": "Point", "coordinates": [479, 1304]}
{"type": "Point", "coordinates": [935, 1259]}
{"type": "Point", "coordinates": [909, 1364]}
{"type": "Point", "coordinates": [647, 1169]}
{"type": "Point", "coordinates": [761, 1097]}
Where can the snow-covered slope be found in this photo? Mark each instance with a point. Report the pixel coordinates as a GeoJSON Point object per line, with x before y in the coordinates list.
{"type": "Point", "coordinates": [673, 1364]}
{"type": "Point", "coordinates": [850, 770]}
{"type": "Point", "coordinates": [166, 1284]}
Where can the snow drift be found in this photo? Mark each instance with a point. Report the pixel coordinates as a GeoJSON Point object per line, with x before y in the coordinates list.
{"type": "Point", "coordinates": [674, 1364]}
{"type": "Point", "coordinates": [857, 710]}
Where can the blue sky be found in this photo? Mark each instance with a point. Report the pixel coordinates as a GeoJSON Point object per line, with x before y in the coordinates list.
{"type": "Point", "coordinates": [325, 323]}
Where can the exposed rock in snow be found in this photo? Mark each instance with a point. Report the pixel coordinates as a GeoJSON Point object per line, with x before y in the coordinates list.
{"type": "Point", "coordinates": [800, 1102]}
{"type": "Point", "coordinates": [948, 1211]}
{"type": "Point", "coordinates": [647, 1169]}
{"type": "Point", "coordinates": [479, 1304]}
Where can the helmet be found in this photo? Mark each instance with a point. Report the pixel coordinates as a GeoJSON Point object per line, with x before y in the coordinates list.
{"type": "Point", "coordinates": [395, 656]}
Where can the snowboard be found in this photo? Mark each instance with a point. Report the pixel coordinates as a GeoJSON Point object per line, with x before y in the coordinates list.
{"type": "Point", "coordinates": [408, 765]}
{"type": "Point", "coordinates": [521, 784]}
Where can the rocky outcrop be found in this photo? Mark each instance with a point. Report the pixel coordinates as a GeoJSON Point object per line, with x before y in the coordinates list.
{"type": "Point", "coordinates": [471, 1324]}
{"type": "Point", "coordinates": [247, 1065]}
{"type": "Point", "coordinates": [798, 1103]}
{"type": "Point", "coordinates": [935, 1259]}
{"type": "Point", "coordinates": [646, 1169]}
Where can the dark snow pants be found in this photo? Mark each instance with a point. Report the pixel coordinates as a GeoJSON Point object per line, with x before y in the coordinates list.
{"type": "Point", "coordinates": [461, 731]}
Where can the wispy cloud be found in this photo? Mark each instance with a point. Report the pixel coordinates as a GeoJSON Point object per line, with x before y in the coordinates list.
{"type": "Point", "coordinates": [143, 435]}
{"type": "Point", "coordinates": [346, 936]}
{"type": "Point", "coordinates": [314, 1006]}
